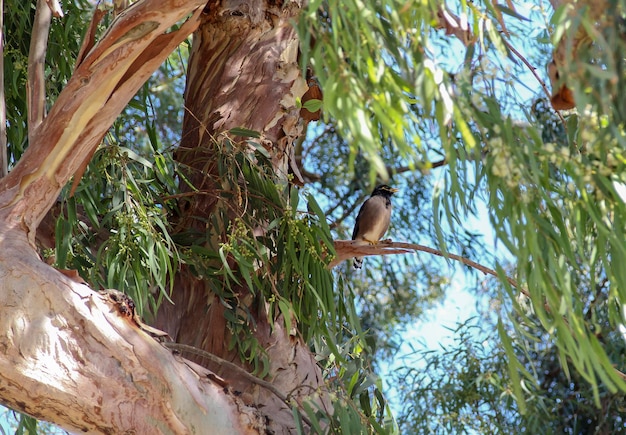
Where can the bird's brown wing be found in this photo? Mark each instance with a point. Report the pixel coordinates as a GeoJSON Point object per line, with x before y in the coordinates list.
{"type": "Point", "coordinates": [373, 219]}
{"type": "Point", "coordinates": [356, 222]}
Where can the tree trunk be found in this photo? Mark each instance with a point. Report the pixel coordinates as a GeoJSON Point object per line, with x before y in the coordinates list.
{"type": "Point", "coordinates": [243, 72]}
{"type": "Point", "coordinates": [76, 357]}
{"type": "Point", "coordinates": [70, 355]}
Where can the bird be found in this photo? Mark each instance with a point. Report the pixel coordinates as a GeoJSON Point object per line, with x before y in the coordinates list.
{"type": "Point", "coordinates": [373, 219]}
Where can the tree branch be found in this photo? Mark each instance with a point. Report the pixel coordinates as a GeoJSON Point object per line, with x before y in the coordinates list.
{"type": "Point", "coordinates": [346, 249]}
{"type": "Point", "coordinates": [234, 368]}
{"type": "Point", "coordinates": [36, 84]}
{"type": "Point", "coordinates": [70, 356]}
{"type": "Point", "coordinates": [137, 42]}
{"type": "Point", "coordinates": [402, 169]}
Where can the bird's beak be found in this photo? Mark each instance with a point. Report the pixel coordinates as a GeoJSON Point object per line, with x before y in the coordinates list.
{"type": "Point", "coordinates": [391, 189]}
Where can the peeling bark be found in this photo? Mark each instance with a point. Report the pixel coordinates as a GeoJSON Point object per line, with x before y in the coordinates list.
{"type": "Point", "coordinates": [69, 357]}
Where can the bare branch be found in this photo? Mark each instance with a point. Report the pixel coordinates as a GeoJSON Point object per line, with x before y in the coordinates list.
{"type": "Point", "coordinates": [36, 84]}
{"type": "Point", "coordinates": [402, 169]}
{"type": "Point", "coordinates": [346, 249]}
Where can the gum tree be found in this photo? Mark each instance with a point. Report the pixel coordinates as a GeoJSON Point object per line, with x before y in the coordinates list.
{"type": "Point", "coordinates": [230, 259]}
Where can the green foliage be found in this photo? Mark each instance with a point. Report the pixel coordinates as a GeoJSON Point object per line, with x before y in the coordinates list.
{"type": "Point", "coordinates": [397, 97]}
{"type": "Point", "coordinates": [278, 250]}
{"type": "Point", "coordinates": [554, 190]}
{"type": "Point", "coordinates": [462, 389]}
{"type": "Point", "coordinates": [285, 265]}
{"type": "Point", "coordinates": [27, 425]}
{"type": "Point", "coordinates": [359, 404]}
{"type": "Point", "coordinates": [63, 45]}
{"type": "Point", "coordinates": [562, 225]}
{"type": "Point", "coordinates": [114, 231]}
{"type": "Point", "coordinates": [469, 387]}
{"type": "Point", "coordinates": [368, 61]}
{"type": "Point", "coordinates": [22, 424]}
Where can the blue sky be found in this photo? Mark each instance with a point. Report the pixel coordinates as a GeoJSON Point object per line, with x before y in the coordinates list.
{"type": "Point", "coordinates": [435, 330]}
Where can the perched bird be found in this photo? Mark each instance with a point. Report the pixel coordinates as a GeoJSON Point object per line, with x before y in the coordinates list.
{"type": "Point", "coordinates": [373, 218]}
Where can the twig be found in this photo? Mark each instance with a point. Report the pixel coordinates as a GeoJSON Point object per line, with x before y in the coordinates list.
{"type": "Point", "coordinates": [533, 70]}
{"type": "Point", "coordinates": [36, 84]}
{"type": "Point", "coordinates": [347, 212]}
{"type": "Point", "coordinates": [439, 164]}
{"type": "Point", "coordinates": [359, 200]}
{"type": "Point", "coordinates": [402, 169]}
{"type": "Point", "coordinates": [350, 248]}
{"type": "Point", "coordinates": [4, 163]}
{"type": "Point", "coordinates": [236, 369]}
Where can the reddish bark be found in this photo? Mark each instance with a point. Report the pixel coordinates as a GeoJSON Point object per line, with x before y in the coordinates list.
{"type": "Point", "coordinates": [243, 72]}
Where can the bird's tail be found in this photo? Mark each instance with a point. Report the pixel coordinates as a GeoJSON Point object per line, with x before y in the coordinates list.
{"type": "Point", "coordinates": [358, 262]}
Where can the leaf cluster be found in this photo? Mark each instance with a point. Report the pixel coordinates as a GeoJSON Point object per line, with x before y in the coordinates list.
{"type": "Point", "coordinates": [64, 41]}
{"type": "Point", "coordinates": [114, 231]}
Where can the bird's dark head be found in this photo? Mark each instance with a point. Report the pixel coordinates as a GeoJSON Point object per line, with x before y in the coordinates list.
{"type": "Point", "coordinates": [384, 190]}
